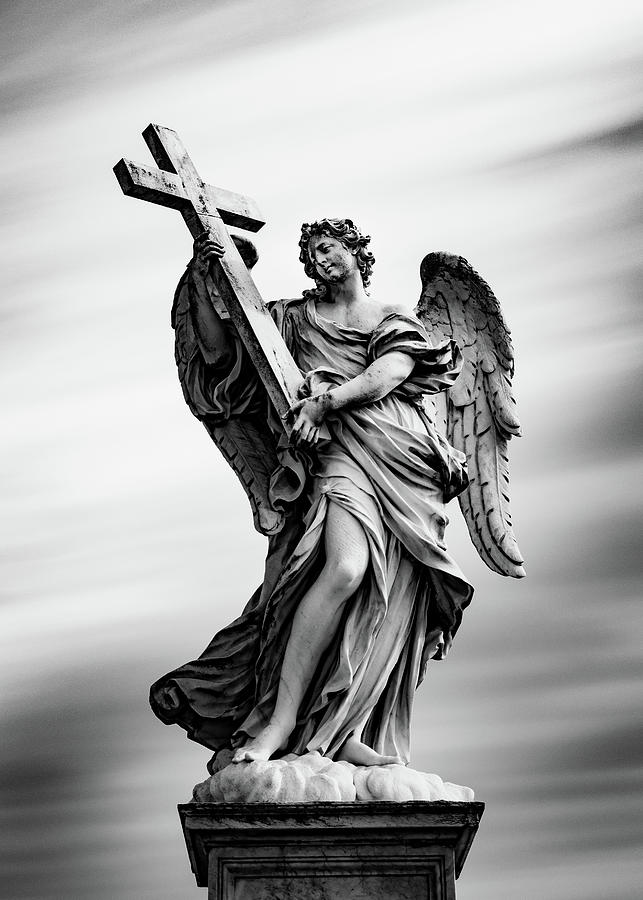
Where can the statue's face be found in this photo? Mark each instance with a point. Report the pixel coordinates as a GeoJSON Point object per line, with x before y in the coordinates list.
{"type": "Point", "coordinates": [332, 260]}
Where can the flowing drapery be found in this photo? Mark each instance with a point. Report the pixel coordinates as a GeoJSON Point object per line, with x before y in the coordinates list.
{"type": "Point", "coordinates": [388, 467]}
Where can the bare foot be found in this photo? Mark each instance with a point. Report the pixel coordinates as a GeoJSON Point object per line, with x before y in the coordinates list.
{"type": "Point", "coordinates": [353, 751]}
{"type": "Point", "coordinates": [273, 737]}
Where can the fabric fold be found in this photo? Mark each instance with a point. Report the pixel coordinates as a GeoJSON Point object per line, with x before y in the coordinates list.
{"type": "Point", "coordinates": [388, 467]}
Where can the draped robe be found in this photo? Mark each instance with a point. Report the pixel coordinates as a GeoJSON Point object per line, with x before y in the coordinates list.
{"type": "Point", "coordinates": [386, 465]}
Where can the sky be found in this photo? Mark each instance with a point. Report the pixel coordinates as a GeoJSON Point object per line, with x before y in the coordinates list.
{"type": "Point", "coordinates": [508, 133]}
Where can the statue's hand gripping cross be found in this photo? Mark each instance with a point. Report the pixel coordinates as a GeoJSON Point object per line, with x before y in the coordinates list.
{"type": "Point", "coordinates": [205, 208]}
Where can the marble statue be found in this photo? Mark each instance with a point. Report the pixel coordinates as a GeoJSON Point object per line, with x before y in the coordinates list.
{"type": "Point", "coordinates": [398, 414]}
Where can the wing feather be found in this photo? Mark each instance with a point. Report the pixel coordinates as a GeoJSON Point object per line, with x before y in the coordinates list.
{"type": "Point", "coordinates": [481, 411]}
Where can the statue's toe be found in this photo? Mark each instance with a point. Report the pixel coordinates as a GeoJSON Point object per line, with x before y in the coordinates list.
{"type": "Point", "coordinates": [242, 755]}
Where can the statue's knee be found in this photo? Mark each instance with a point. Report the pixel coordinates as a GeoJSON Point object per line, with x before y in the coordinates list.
{"type": "Point", "coordinates": [346, 575]}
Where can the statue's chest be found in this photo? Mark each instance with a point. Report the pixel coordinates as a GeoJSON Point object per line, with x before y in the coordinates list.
{"type": "Point", "coordinates": [314, 349]}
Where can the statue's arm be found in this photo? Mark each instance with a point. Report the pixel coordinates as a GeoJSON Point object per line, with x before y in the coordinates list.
{"type": "Point", "coordinates": [218, 378]}
{"type": "Point", "coordinates": [375, 382]}
{"type": "Point", "coordinates": [214, 341]}
{"type": "Point", "coordinates": [381, 377]}
{"type": "Point", "coordinates": [210, 330]}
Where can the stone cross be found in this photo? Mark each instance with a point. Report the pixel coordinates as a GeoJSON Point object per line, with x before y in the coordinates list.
{"type": "Point", "coordinates": [177, 184]}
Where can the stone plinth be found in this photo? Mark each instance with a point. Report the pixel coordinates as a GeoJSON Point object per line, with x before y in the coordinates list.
{"type": "Point", "coordinates": [329, 851]}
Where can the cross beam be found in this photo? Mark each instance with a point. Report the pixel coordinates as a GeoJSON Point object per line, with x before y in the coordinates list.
{"type": "Point", "coordinates": [177, 184]}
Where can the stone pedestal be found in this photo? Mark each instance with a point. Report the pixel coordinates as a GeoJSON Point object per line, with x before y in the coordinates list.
{"type": "Point", "coordinates": [329, 851]}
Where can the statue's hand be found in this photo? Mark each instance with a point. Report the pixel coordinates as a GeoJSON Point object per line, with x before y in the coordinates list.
{"type": "Point", "coordinates": [206, 250]}
{"type": "Point", "coordinates": [308, 415]}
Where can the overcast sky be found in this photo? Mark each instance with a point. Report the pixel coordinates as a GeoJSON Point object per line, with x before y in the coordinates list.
{"type": "Point", "coordinates": [506, 132]}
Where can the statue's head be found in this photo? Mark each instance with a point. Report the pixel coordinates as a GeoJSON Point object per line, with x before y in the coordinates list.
{"type": "Point", "coordinates": [349, 236]}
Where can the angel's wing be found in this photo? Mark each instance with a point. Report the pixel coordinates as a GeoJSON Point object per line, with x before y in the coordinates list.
{"type": "Point", "coordinates": [480, 409]}
{"type": "Point", "coordinates": [247, 443]}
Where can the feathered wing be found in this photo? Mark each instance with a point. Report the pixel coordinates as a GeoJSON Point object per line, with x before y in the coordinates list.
{"type": "Point", "coordinates": [480, 408]}
{"type": "Point", "coordinates": [247, 442]}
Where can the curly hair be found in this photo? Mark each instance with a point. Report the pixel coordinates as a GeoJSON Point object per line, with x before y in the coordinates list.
{"type": "Point", "coordinates": [347, 233]}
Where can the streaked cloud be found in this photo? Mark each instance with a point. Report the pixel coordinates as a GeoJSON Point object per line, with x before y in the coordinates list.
{"type": "Point", "coordinates": [509, 133]}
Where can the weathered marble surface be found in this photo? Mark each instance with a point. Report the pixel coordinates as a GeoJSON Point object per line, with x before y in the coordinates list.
{"type": "Point", "coordinates": [359, 591]}
{"type": "Point", "coordinates": [314, 778]}
{"type": "Point", "coordinates": [329, 851]}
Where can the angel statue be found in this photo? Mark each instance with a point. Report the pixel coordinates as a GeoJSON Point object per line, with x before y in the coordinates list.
{"type": "Point", "coordinates": [359, 591]}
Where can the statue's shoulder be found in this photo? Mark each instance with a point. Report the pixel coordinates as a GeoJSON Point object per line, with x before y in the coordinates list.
{"type": "Point", "coordinates": [394, 309]}
{"type": "Point", "coordinates": [281, 310]}
{"type": "Point", "coordinates": [291, 303]}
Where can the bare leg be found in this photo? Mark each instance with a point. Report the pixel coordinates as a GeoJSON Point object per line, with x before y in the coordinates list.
{"type": "Point", "coordinates": [314, 625]}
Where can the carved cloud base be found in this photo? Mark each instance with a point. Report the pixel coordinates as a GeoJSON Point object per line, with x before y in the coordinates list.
{"type": "Point", "coordinates": [315, 778]}
{"type": "Point", "coordinates": [329, 851]}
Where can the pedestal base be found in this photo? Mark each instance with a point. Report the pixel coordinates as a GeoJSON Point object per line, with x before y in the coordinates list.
{"type": "Point", "coordinates": [329, 851]}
